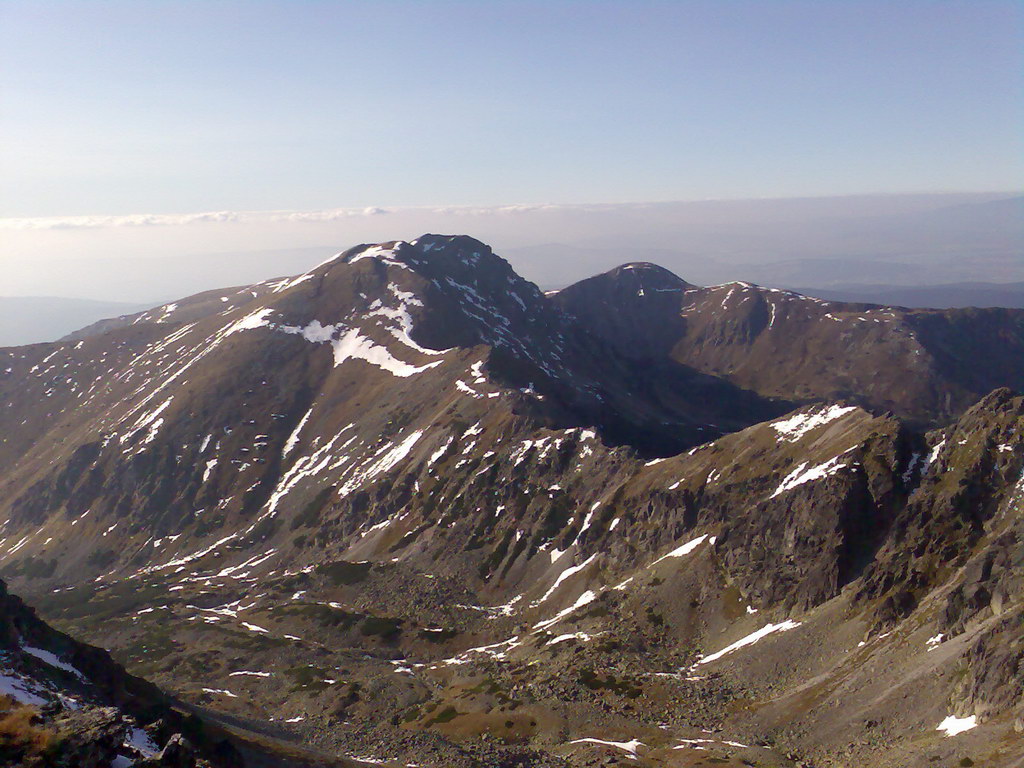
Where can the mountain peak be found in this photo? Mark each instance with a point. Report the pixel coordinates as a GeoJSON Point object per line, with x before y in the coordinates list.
{"type": "Point", "coordinates": [619, 304]}
{"type": "Point", "coordinates": [426, 249]}
{"type": "Point", "coordinates": [643, 275]}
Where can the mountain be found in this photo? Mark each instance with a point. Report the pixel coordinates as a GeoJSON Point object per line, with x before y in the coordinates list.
{"type": "Point", "coordinates": [921, 364]}
{"type": "Point", "coordinates": [36, 319]}
{"type": "Point", "coordinates": [405, 508]}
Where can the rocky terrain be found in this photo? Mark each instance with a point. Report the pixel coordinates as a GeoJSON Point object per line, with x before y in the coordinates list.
{"type": "Point", "coordinates": [63, 703]}
{"type": "Point", "coordinates": [405, 509]}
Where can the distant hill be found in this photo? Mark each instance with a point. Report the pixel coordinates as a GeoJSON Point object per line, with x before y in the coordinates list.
{"type": "Point", "coordinates": [927, 296]}
{"type": "Point", "coordinates": [34, 319]}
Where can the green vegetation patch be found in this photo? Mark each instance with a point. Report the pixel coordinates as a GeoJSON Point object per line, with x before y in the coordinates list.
{"type": "Point", "coordinates": [438, 635]}
{"type": "Point", "coordinates": [307, 678]}
{"type": "Point", "coordinates": [31, 568]}
{"type": "Point", "coordinates": [324, 615]}
{"type": "Point", "coordinates": [381, 626]}
{"type": "Point", "coordinates": [623, 686]}
{"type": "Point", "coordinates": [446, 715]}
{"type": "Point", "coordinates": [344, 572]}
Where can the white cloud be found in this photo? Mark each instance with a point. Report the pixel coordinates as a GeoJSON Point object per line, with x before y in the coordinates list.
{"type": "Point", "coordinates": [131, 220]}
{"type": "Point", "coordinates": [324, 215]}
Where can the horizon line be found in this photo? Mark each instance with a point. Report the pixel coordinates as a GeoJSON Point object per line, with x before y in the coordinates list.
{"type": "Point", "coordinates": [324, 215]}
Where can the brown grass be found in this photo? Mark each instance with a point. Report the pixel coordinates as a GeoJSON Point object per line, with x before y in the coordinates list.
{"type": "Point", "coordinates": [20, 729]}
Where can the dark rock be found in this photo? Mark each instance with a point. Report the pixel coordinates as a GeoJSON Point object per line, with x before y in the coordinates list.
{"type": "Point", "coordinates": [89, 738]}
{"type": "Point", "coordinates": [177, 753]}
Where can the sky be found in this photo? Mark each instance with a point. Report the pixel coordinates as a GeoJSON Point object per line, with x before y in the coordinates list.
{"type": "Point", "coordinates": [169, 117]}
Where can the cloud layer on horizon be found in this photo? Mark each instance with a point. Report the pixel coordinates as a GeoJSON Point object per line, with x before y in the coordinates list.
{"type": "Point", "coordinates": [892, 239]}
{"type": "Point", "coordinates": [324, 215]}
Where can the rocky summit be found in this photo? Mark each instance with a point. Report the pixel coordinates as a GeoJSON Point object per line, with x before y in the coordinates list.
{"type": "Point", "coordinates": [407, 509]}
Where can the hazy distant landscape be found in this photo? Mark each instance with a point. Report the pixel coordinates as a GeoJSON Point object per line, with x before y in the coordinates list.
{"type": "Point", "coordinates": [915, 250]}
{"type": "Point", "coordinates": [34, 319]}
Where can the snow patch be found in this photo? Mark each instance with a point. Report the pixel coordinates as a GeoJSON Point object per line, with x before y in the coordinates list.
{"type": "Point", "coordinates": [625, 746]}
{"type": "Point", "coordinates": [795, 427]}
{"type": "Point", "coordinates": [52, 659]}
{"type": "Point", "coordinates": [685, 549]}
{"type": "Point", "coordinates": [802, 475]}
{"type": "Point", "coordinates": [293, 438]}
{"type": "Point", "coordinates": [570, 571]}
{"type": "Point", "coordinates": [354, 346]}
{"type": "Point", "coordinates": [752, 638]}
{"type": "Point", "coordinates": [17, 689]}
{"type": "Point", "coordinates": [953, 725]}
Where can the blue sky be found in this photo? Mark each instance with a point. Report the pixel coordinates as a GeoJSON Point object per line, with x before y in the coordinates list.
{"type": "Point", "coordinates": [136, 107]}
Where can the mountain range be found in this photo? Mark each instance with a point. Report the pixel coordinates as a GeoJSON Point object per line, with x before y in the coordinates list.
{"type": "Point", "coordinates": [406, 508]}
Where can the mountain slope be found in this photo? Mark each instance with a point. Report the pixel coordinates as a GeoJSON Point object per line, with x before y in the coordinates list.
{"type": "Point", "coordinates": [920, 364]}
{"type": "Point", "coordinates": [405, 508]}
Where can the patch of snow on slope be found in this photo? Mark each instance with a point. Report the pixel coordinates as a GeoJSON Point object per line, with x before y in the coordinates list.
{"type": "Point", "coordinates": [582, 636]}
{"type": "Point", "coordinates": [585, 599]}
{"type": "Point", "coordinates": [141, 741]}
{"type": "Point", "coordinates": [750, 639]}
{"type": "Point", "coordinates": [935, 452]}
{"type": "Point", "coordinates": [625, 746]}
{"type": "Point", "coordinates": [586, 522]}
{"type": "Point", "coordinates": [293, 438]}
{"type": "Point", "coordinates": [440, 451]}
{"type": "Point", "coordinates": [795, 427]}
{"type": "Point", "coordinates": [305, 466]}
{"type": "Point", "coordinates": [52, 659]}
{"type": "Point", "coordinates": [224, 691]}
{"type": "Point", "coordinates": [354, 346]}
{"type": "Point", "coordinates": [486, 650]}
{"type": "Point", "coordinates": [685, 549]}
{"type": "Point", "coordinates": [150, 420]}
{"type": "Point", "coordinates": [688, 743]}
{"type": "Point", "coordinates": [909, 471]}
{"type": "Point", "coordinates": [802, 475]}
{"type": "Point", "coordinates": [382, 464]}
{"type": "Point", "coordinates": [570, 571]}
{"type": "Point", "coordinates": [186, 559]}
{"type": "Point", "coordinates": [252, 321]}
{"type": "Point", "coordinates": [17, 688]}
{"type": "Point", "coordinates": [381, 253]}
{"type": "Point", "coordinates": [285, 285]}
{"type": "Point", "coordinates": [402, 327]}
{"type": "Point", "coordinates": [953, 725]}
{"type": "Point", "coordinates": [315, 332]}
